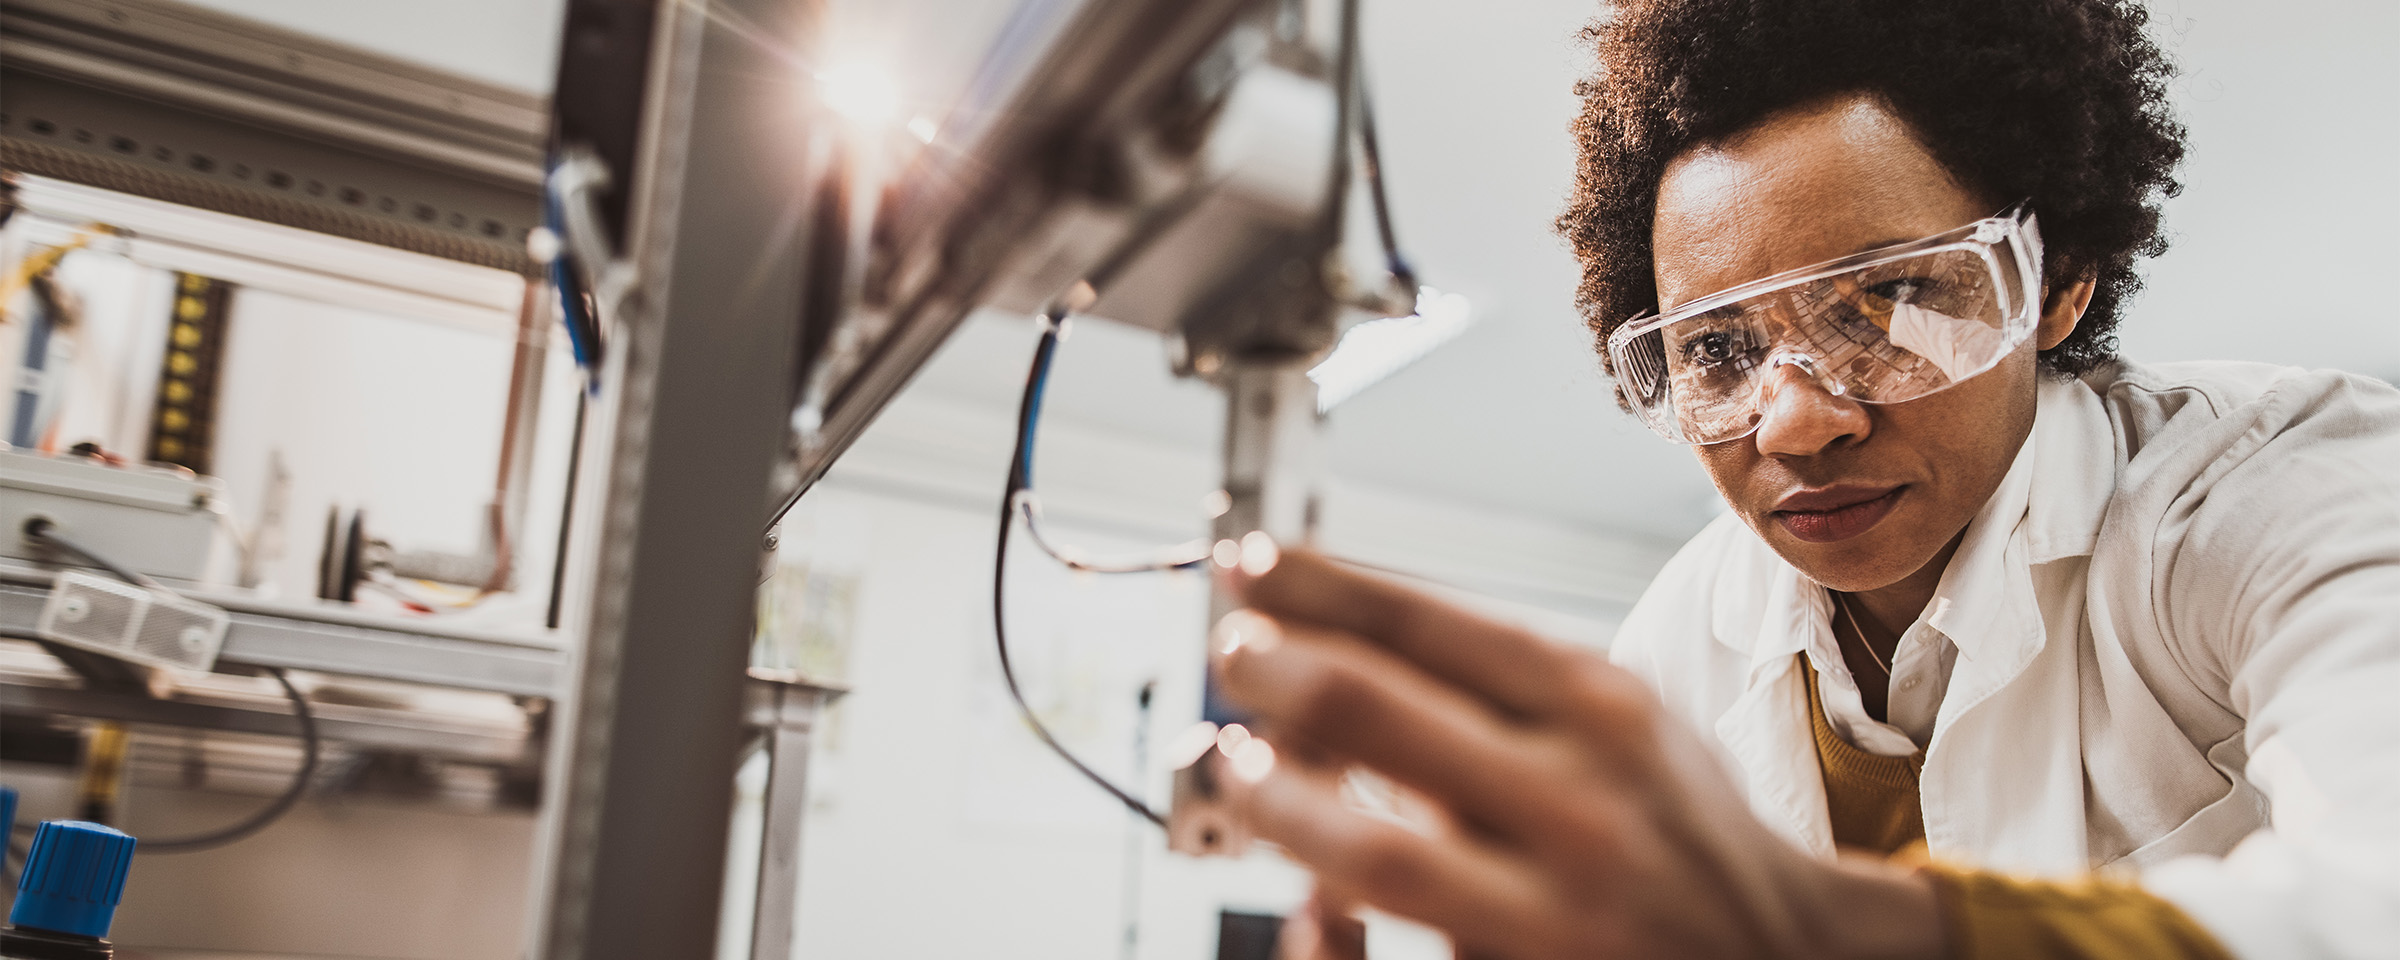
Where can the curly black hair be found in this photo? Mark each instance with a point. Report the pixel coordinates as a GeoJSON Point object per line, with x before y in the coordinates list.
{"type": "Point", "coordinates": [2060, 101]}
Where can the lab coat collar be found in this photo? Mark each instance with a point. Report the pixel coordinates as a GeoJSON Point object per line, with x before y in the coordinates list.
{"type": "Point", "coordinates": [2048, 506]}
{"type": "Point", "coordinates": [2074, 471]}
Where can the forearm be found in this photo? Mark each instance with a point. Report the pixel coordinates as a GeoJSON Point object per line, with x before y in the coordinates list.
{"type": "Point", "coordinates": [1991, 916]}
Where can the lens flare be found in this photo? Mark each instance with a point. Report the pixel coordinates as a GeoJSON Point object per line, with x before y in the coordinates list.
{"type": "Point", "coordinates": [861, 93]}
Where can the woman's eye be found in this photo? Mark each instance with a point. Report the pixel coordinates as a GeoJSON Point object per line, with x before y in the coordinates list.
{"type": "Point", "coordinates": [1713, 347]}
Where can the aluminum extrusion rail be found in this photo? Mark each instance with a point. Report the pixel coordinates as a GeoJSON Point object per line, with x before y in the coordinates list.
{"type": "Point", "coordinates": [331, 640]}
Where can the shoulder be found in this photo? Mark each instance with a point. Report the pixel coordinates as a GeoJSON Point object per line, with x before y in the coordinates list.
{"type": "Point", "coordinates": [2238, 442]}
{"type": "Point", "coordinates": [2224, 438]}
{"type": "Point", "coordinates": [2149, 401]}
{"type": "Point", "coordinates": [1700, 614]}
{"type": "Point", "coordinates": [2246, 493]}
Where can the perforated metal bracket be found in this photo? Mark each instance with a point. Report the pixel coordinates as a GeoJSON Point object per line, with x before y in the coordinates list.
{"type": "Point", "coordinates": [130, 622]}
{"type": "Point", "coordinates": [190, 106]}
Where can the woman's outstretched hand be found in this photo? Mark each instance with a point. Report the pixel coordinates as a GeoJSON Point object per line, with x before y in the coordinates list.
{"type": "Point", "coordinates": [1573, 817]}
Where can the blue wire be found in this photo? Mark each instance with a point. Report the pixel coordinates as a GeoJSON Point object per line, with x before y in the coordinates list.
{"type": "Point", "coordinates": [1020, 475]}
{"type": "Point", "coordinates": [574, 300]}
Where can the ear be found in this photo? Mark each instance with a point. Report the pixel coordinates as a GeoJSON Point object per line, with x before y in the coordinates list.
{"type": "Point", "coordinates": [2062, 311]}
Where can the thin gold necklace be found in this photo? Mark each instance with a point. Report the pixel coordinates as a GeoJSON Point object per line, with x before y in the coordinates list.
{"type": "Point", "coordinates": [1844, 607]}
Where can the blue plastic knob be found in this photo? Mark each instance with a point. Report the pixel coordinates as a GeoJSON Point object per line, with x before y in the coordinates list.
{"type": "Point", "coordinates": [74, 876]}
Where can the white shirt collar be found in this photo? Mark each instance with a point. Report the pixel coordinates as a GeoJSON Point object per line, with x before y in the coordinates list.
{"type": "Point", "coordinates": [2050, 503]}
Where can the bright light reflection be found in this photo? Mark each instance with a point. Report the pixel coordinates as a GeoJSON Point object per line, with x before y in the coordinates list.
{"type": "Point", "coordinates": [1254, 760]}
{"type": "Point", "coordinates": [1377, 349]}
{"type": "Point", "coordinates": [1192, 744]}
{"type": "Point", "coordinates": [923, 128]}
{"type": "Point", "coordinates": [1226, 553]}
{"type": "Point", "coordinates": [861, 92]}
{"type": "Point", "coordinates": [1259, 553]}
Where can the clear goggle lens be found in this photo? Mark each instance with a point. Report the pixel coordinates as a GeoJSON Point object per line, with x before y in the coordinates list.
{"type": "Point", "coordinates": [1882, 327]}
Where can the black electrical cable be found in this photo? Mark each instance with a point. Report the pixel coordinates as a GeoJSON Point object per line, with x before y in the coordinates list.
{"type": "Point", "coordinates": [1020, 478]}
{"type": "Point", "coordinates": [1371, 160]}
{"type": "Point", "coordinates": [1189, 557]}
{"type": "Point", "coordinates": [1018, 497]}
{"type": "Point", "coordinates": [309, 749]}
{"type": "Point", "coordinates": [566, 512]}
{"type": "Point", "coordinates": [40, 528]}
{"type": "Point", "coordinates": [46, 531]}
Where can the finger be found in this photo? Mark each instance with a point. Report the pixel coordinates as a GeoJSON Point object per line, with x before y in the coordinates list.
{"type": "Point", "coordinates": [1475, 894]}
{"type": "Point", "coordinates": [1522, 672]}
{"type": "Point", "coordinates": [1332, 692]}
{"type": "Point", "coordinates": [1322, 929]}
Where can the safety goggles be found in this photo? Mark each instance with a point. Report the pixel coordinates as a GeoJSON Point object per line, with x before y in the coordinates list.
{"type": "Point", "coordinates": [1884, 326]}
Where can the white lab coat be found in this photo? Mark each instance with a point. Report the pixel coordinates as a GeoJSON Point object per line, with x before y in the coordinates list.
{"type": "Point", "coordinates": [2176, 630]}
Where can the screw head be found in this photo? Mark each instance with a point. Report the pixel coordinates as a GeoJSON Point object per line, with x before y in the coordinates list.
{"type": "Point", "coordinates": [194, 638]}
{"type": "Point", "coordinates": [74, 609]}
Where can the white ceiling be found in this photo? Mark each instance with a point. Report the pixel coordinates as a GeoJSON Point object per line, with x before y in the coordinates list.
{"type": "Point", "coordinates": [2282, 241]}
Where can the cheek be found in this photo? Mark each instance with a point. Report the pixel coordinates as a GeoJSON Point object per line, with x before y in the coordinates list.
{"type": "Point", "coordinates": [1969, 434]}
{"type": "Point", "coordinates": [1733, 467]}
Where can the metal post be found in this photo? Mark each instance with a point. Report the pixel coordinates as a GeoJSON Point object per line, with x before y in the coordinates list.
{"type": "Point", "coordinates": [1271, 450]}
{"type": "Point", "coordinates": [787, 717]}
{"type": "Point", "coordinates": [691, 418]}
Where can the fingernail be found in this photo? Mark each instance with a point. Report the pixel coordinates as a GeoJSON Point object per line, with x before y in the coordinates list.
{"type": "Point", "coordinates": [1259, 553]}
{"type": "Point", "coordinates": [1253, 760]}
{"type": "Point", "coordinates": [1246, 628]}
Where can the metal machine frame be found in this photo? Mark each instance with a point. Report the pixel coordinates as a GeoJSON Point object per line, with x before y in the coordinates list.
{"type": "Point", "coordinates": [183, 105]}
{"type": "Point", "coordinates": [748, 306]}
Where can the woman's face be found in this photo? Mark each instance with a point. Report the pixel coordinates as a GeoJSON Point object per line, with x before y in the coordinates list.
{"type": "Point", "coordinates": [1857, 496]}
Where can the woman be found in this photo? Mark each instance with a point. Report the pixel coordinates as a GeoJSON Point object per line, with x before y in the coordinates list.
{"type": "Point", "coordinates": [1990, 604]}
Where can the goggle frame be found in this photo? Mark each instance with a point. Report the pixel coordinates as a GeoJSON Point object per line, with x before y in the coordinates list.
{"type": "Point", "coordinates": [2014, 230]}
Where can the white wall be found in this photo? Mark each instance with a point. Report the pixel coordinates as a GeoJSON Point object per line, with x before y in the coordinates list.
{"type": "Point", "coordinates": [2282, 240]}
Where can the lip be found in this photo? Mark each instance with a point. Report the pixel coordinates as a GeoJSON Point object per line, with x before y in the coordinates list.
{"type": "Point", "coordinates": [1835, 513]}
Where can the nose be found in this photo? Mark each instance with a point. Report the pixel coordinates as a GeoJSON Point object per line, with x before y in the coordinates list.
{"type": "Point", "coordinates": [1802, 412]}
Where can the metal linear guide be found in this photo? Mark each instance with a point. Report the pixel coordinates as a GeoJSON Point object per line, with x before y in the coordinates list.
{"type": "Point", "coordinates": [32, 685]}
{"type": "Point", "coordinates": [191, 106]}
{"type": "Point", "coordinates": [780, 709]}
{"type": "Point", "coordinates": [329, 639]}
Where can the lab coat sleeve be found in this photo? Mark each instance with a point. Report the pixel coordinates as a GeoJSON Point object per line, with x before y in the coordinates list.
{"type": "Point", "coordinates": [1673, 638]}
{"type": "Point", "coordinates": [2276, 577]}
